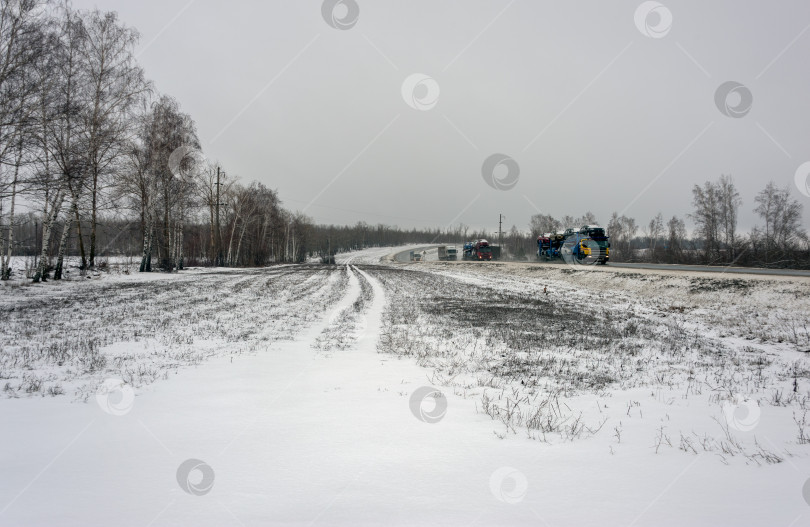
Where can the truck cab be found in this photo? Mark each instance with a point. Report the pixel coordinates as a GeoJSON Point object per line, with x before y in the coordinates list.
{"type": "Point", "coordinates": [483, 252]}
{"type": "Point", "coordinates": [589, 245]}
{"type": "Point", "coordinates": [599, 242]}
{"type": "Point", "coordinates": [452, 253]}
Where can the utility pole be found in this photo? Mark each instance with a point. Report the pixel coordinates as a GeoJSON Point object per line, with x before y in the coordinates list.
{"type": "Point", "coordinates": [292, 240]}
{"type": "Point", "coordinates": [220, 261]}
{"type": "Point", "coordinates": [500, 232]}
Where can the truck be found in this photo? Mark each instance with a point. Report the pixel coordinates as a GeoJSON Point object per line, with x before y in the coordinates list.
{"type": "Point", "coordinates": [467, 251]}
{"type": "Point", "coordinates": [416, 256]}
{"type": "Point", "coordinates": [589, 244]}
{"type": "Point", "coordinates": [447, 252]}
{"type": "Point", "coordinates": [478, 250]}
{"type": "Point", "coordinates": [593, 244]}
{"type": "Point", "coordinates": [548, 246]}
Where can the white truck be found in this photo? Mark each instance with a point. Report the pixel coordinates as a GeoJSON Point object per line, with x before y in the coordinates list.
{"type": "Point", "coordinates": [448, 252]}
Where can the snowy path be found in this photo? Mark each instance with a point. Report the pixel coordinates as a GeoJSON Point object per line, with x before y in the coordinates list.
{"type": "Point", "coordinates": [296, 436]}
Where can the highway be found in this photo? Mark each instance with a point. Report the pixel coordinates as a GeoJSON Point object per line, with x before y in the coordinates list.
{"type": "Point", "coordinates": [712, 269]}
{"type": "Point", "coordinates": [404, 257]}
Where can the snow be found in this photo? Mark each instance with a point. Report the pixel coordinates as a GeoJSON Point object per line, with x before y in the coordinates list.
{"type": "Point", "coordinates": [302, 423]}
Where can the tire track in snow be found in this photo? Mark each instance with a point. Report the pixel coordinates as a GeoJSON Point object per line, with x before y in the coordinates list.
{"type": "Point", "coordinates": [374, 312]}
{"type": "Point", "coordinates": [356, 320]}
{"type": "Point", "coordinates": [346, 325]}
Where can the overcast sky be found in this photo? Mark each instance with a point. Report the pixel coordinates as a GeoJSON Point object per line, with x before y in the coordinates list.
{"type": "Point", "coordinates": [600, 109]}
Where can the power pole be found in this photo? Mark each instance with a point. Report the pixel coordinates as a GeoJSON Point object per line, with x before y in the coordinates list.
{"type": "Point", "coordinates": [500, 231]}
{"type": "Point", "coordinates": [218, 235]}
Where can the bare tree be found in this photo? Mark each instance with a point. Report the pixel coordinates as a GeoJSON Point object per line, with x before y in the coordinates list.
{"type": "Point", "coordinates": [782, 216]}
{"type": "Point", "coordinates": [676, 239]}
{"type": "Point", "coordinates": [655, 229]}
{"type": "Point", "coordinates": [62, 99]}
{"type": "Point", "coordinates": [23, 44]}
{"type": "Point", "coordinates": [622, 230]}
{"type": "Point", "coordinates": [729, 203]}
{"type": "Point", "coordinates": [706, 218]}
{"type": "Point", "coordinates": [8, 242]}
{"type": "Point", "coordinates": [589, 218]}
{"type": "Point", "coordinates": [114, 82]}
{"type": "Point", "coordinates": [716, 209]}
{"type": "Point", "coordinates": [210, 179]}
{"type": "Point", "coordinates": [165, 130]}
{"type": "Point", "coordinates": [568, 222]}
{"type": "Point", "coordinates": [542, 224]}
{"type": "Point", "coordinates": [248, 206]}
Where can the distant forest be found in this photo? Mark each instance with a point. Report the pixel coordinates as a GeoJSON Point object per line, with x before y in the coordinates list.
{"type": "Point", "coordinates": [779, 242]}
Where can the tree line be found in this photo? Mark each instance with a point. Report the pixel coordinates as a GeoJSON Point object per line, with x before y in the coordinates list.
{"type": "Point", "coordinates": [87, 141]}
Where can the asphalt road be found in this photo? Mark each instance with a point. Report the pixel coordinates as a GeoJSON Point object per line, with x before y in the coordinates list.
{"type": "Point", "coordinates": [404, 257]}
{"type": "Point", "coordinates": [712, 269]}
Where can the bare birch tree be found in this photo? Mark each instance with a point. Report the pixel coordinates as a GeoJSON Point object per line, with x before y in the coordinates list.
{"type": "Point", "coordinates": [115, 83]}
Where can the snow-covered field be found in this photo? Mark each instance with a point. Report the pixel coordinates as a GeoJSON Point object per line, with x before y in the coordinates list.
{"type": "Point", "coordinates": [434, 393]}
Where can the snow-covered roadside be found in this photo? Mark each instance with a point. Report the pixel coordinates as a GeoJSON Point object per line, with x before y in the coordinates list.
{"type": "Point", "coordinates": [769, 310]}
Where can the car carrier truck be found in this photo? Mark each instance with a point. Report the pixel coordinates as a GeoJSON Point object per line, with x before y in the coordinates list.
{"type": "Point", "coordinates": [587, 245]}
{"type": "Point", "coordinates": [479, 250]}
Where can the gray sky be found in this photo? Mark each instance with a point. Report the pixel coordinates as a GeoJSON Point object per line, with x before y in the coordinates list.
{"type": "Point", "coordinates": [592, 110]}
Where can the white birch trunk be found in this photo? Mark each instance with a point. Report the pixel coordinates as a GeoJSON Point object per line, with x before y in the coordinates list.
{"type": "Point", "coordinates": [49, 217]}
{"type": "Point", "coordinates": [60, 258]}
{"type": "Point", "coordinates": [5, 267]}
